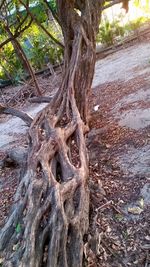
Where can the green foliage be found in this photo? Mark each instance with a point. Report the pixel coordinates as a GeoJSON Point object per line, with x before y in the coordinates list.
{"type": "Point", "coordinates": [112, 31]}
{"type": "Point", "coordinates": [135, 24]}
{"type": "Point", "coordinates": [36, 8]}
{"type": "Point", "coordinates": [52, 3]}
{"type": "Point", "coordinates": [10, 64]}
{"type": "Point", "coordinates": [38, 48]}
{"type": "Point", "coordinates": [109, 31]}
{"type": "Point", "coordinates": [18, 228]}
{"type": "Point", "coordinates": [42, 50]}
{"type": "Point", "coordinates": [20, 12]}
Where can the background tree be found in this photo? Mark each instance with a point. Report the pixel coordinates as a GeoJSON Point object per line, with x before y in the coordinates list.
{"type": "Point", "coordinates": [14, 22]}
{"type": "Point", "coordinates": [20, 27]}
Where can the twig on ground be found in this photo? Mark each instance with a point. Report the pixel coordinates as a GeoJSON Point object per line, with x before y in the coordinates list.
{"type": "Point", "coordinates": [118, 210]}
{"type": "Point", "coordinates": [104, 205]}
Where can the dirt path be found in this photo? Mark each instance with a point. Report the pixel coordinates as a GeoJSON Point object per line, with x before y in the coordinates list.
{"type": "Point", "coordinates": [119, 150]}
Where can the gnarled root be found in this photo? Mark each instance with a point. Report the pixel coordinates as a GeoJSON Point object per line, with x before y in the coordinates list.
{"type": "Point", "coordinates": [8, 110]}
{"type": "Point", "coordinates": [50, 214]}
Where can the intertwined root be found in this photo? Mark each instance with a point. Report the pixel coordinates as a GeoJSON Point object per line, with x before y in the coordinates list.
{"type": "Point", "coordinates": [50, 213]}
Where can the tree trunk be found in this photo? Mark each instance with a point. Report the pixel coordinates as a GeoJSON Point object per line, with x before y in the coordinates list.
{"type": "Point", "coordinates": [51, 212]}
{"type": "Point", "coordinates": [27, 64]}
{"type": "Point", "coordinates": [22, 56]}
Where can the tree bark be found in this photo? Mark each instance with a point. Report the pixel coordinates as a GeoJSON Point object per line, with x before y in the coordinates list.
{"type": "Point", "coordinates": [51, 207]}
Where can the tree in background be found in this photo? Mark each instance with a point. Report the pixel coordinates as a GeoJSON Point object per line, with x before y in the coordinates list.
{"type": "Point", "coordinates": [14, 22]}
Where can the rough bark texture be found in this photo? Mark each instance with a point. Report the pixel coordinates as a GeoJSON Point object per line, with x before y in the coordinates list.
{"type": "Point", "coordinates": [51, 207]}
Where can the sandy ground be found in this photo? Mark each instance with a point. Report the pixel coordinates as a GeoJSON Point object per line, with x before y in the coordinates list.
{"type": "Point", "coordinates": [123, 65]}
{"type": "Point", "coordinates": [10, 129]}
{"type": "Point", "coordinates": [119, 149]}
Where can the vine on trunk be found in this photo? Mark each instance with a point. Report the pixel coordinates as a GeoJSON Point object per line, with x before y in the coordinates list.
{"type": "Point", "coordinates": [50, 215]}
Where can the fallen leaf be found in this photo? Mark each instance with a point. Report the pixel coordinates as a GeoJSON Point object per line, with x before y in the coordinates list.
{"type": "Point", "coordinates": [141, 202]}
{"type": "Point", "coordinates": [119, 217]}
{"type": "Point", "coordinates": [15, 247]}
{"type": "Point", "coordinates": [96, 108]}
{"type": "Point", "coordinates": [135, 210]}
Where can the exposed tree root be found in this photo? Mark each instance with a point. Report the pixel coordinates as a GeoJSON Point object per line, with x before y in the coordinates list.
{"type": "Point", "coordinates": [8, 110]}
{"type": "Point", "coordinates": [52, 200]}
{"type": "Point", "coordinates": [42, 99]}
{"type": "Point", "coordinates": [50, 216]}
